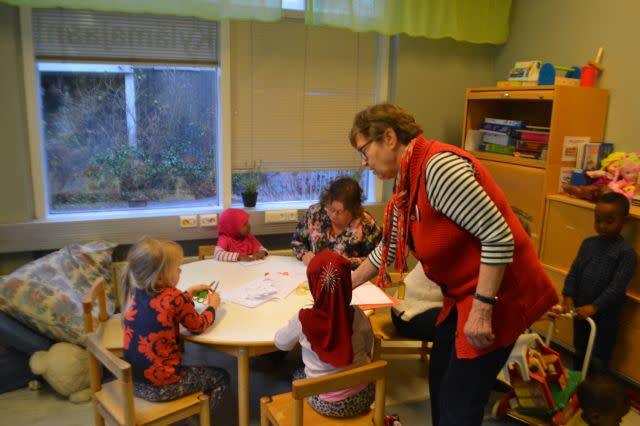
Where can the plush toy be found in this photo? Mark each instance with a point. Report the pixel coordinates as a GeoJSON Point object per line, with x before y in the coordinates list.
{"type": "Point", "coordinates": [626, 179]}
{"type": "Point", "coordinates": [609, 168]}
{"type": "Point", "coordinates": [65, 367]}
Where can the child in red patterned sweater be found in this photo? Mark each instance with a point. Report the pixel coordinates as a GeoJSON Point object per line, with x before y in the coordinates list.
{"type": "Point", "coordinates": [155, 309]}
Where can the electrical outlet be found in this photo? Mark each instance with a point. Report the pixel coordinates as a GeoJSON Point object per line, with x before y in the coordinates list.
{"type": "Point", "coordinates": [189, 221]}
{"type": "Point", "coordinates": [208, 220]}
{"type": "Point", "coordinates": [280, 216]}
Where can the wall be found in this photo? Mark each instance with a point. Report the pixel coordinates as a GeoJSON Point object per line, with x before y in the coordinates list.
{"type": "Point", "coordinates": [431, 79]}
{"type": "Point", "coordinates": [569, 33]}
{"type": "Point", "coordinates": [15, 190]}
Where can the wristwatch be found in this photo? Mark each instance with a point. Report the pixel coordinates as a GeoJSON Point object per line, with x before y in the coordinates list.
{"type": "Point", "coordinates": [488, 300]}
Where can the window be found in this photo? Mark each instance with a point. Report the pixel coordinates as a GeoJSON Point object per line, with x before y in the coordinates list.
{"type": "Point", "coordinates": [294, 95]}
{"type": "Point", "coordinates": [122, 135]}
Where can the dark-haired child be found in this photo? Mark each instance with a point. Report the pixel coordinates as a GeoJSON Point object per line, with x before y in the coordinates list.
{"type": "Point", "coordinates": [596, 283]}
{"type": "Point", "coordinates": [603, 402]}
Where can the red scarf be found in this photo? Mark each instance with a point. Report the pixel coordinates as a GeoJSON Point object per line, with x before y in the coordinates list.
{"type": "Point", "coordinates": [229, 238]}
{"type": "Point", "coordinates": [399, 201]}
{"type": "Point", "coordinates": [328, 325]}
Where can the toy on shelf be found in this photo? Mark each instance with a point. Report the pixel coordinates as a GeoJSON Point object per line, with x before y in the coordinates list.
{"type": "Point", "coordinates": [590, 71]}
{"type": "Point", "coordinates": [608, 168]}
{"type": "Point", "coordinates": [626, 179]}
{"type": "Point", "coordinates": [549, 75]}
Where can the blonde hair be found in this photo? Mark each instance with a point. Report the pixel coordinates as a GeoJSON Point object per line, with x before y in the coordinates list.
{"type": "Point", "coordinates": [148, 260]}
{"type": "Point", "coordinates": [375, 120]}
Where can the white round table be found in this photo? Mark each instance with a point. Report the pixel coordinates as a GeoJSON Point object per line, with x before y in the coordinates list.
{"type": "Point", "coordinates": [240, 331]}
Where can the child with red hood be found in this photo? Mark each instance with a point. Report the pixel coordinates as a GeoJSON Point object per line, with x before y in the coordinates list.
{"type": "Point", "coordinates": [235, 240]}
{"type": "Point", "coordinates": [333, 335]}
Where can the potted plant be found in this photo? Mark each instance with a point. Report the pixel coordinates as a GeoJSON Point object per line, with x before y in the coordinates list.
{"type": "Point", "coordinates": [249, 183]}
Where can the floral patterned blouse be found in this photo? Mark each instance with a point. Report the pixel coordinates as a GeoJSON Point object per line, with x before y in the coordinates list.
{"type": "Point", "coordinates": [314, 233]}
{"type": "Point", "coordinates": [152, 329]}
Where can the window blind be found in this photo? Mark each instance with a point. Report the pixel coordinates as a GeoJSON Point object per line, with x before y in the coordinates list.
{"type": "Point", "coordinates": [295, 91]}
{"type": "Point", "coordinates": [123, 37]}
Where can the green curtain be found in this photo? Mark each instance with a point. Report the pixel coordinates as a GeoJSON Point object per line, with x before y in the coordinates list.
{"type": "Point", "coordinates": [261, 10]}
{"type": "Point", "coordinates": [476, 21]}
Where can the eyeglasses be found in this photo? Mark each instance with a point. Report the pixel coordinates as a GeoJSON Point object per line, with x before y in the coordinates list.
{"type": "Point", "coordinates": [333, 211]}
{"type": "Point", "coordinates": [361, 151]}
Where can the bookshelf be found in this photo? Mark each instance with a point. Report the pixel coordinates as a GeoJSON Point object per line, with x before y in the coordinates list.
{"type": "Point", "coordinates": [565, 110]}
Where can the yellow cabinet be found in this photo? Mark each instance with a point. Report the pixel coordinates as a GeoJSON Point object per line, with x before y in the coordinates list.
{"type": "Point", "coordinates": [566, 111]}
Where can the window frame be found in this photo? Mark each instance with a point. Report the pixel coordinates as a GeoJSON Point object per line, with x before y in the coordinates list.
{"type": "Point", "coordinates": [37, 155]}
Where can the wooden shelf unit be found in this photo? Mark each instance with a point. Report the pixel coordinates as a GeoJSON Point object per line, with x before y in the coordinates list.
{"type": "Point", "coordinates": [567, 111]}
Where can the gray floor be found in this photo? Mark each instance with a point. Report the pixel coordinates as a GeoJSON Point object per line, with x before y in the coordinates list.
{"type": "Point", "coordinates": [407, 393]}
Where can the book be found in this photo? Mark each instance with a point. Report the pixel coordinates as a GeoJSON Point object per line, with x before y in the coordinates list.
{"type": "Point", "coordinates": [570, 147]}
{"type": "Point", "coordinates": [500, 128]}
{"type": "Point", "coordinates": [496, 138]}
{"type": "Point", "coordinates": [590, 157]}
{"type": "Point", "coordinates": [533, 146]}
{"type": "Point", "coordinates": [497, 149]}
{"type": "Point", "coordinates": [606, 148]}
{"type": "Point", "coordinates": [512, 123]}
{"type": "Point", "coordinates": [533, 136]}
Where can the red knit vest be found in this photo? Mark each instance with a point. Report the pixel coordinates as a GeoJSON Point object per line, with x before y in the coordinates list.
{"type": "Point", "coordinates": [450, 256]}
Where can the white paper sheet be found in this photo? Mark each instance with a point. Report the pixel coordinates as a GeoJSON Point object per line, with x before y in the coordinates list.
{"type": "Point", "coordinates": [274, 285]}
{"type": "Point", "coordinates": [252, 262]}
{"type": "Point", "coordinates": [369, 294]}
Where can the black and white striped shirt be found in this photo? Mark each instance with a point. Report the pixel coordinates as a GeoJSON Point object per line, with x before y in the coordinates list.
{"type": "Point", "coordinates": [454, 191]}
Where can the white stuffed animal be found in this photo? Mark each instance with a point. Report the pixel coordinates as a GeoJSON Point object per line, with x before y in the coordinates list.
{"type": "Point", "coordinates": [65, 367]}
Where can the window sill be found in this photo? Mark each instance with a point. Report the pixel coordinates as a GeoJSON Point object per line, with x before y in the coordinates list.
{"type": "Point", "coordinates": [125, 227]}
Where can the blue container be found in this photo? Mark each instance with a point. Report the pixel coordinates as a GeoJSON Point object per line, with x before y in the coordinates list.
{"type": "Point", "coordinates": [580, 178]}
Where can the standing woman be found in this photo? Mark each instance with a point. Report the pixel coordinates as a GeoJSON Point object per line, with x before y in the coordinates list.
{"type": "Point", "coordinates": [450, 213]}
{"type": "Point", "coordinates": [339, 223]}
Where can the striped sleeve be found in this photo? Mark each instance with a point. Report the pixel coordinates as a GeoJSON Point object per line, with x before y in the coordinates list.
{"type": "Point", "coordinates": [376, 255]}
{"type": "Point", "coordinates": [454, 191]}
{"type": "Point", "coordinates": [225, 256]}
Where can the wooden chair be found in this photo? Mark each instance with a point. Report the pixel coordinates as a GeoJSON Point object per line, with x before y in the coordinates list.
{"type": "Point", "coordinates": [206, 251]}
{"type": "Point", "coordinates": [281, 252]}
{"type": "Point", "coordinates": [111, 328]}
{"type": "Point", "coordinates": [114, 402]}
{"type": "Point", "coordinates": [385, 331]}
{"type": "Point", "coordinates": [291, 408]}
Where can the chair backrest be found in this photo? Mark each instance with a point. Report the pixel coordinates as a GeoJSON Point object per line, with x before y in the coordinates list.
{"type": "Point", "coordinates": [206, 251]}
{"type": "Point", "coordinates": [97, 291]}
{"type": "Point", "coordinates": [373, 372]}
{"type": "Point", "coordinates": [99, 355]}
{"type": "Point", "coordinates": [281, 252]}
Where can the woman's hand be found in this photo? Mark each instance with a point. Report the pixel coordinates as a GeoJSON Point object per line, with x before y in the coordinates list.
{"type": "Point", "coordinates": [214, 299]}
{"type": "Point", "coordinates": [553, 313]}
{"type": "Point", "coordinates": [260, 255]}
{"type": "Point", "coordinates": [478, 326]}
{"type": "Point", "coordinates": [306, 258]}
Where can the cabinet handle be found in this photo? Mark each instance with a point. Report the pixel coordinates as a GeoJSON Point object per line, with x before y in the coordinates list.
{"type": "Point", "coordinates": [505, 95]}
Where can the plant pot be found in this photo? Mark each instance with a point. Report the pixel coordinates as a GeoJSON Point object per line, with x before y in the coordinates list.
{"type": "Point", "coordinates": [249, 199]}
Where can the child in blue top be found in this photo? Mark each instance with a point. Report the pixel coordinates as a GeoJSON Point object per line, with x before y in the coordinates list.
{"type": "Point", "coordinates": [595, 286]}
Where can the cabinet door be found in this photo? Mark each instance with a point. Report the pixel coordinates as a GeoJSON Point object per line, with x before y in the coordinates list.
{"type": "Point", "coordinates": [524, 189]}
{"type": "Point", "coordinates": [566, 226]}
{"type": "Point", "coordinates": [625, 354]}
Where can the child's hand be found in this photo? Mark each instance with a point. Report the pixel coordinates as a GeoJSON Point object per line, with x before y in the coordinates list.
{"type": "Point", "coordinates": [567, 304]}
{"type": "Point", "coordinates": [585, 311]}
{"type": "Point", "coordinates": [245, 258]}
{"type": "Point", "coordinates": [260, 255]}
{"type": "Point", "coordinates": [197, 288]}
{"type": "Point", "coordinates": [214, 299]}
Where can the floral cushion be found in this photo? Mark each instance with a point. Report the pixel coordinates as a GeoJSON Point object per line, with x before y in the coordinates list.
{"type": "Point", "coordinates": [47, 293]}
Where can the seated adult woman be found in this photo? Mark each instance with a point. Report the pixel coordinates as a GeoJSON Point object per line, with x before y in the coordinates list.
{"type": "Point", "coordinates": [338, 223]}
